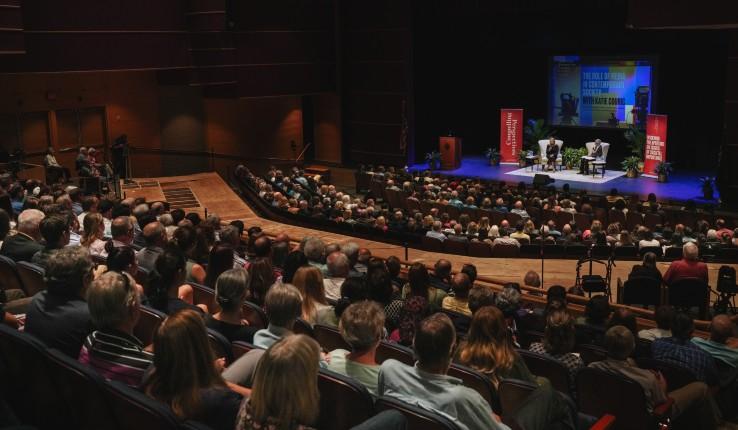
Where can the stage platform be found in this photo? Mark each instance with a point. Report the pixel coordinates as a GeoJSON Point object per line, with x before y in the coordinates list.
{"type": "Point", "coordinates": [682, 185]}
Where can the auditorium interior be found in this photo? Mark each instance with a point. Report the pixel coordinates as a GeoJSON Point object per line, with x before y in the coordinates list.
{"type": "Point", "coordinates": [464, 214]}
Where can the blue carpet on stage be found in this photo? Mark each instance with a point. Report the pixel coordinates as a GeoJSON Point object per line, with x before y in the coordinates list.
{"type": "Point", "coordinates": [682, 185]}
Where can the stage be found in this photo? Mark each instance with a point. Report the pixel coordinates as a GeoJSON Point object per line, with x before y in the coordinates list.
{"type": "Point", "coordinates": [682, 186]}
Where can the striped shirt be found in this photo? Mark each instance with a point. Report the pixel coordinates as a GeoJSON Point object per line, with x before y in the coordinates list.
{"type": "Point", "coordinates": [116, 356]}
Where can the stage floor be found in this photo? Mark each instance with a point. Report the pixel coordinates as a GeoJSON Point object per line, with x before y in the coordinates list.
{"type": "Point", "coordinates": [682, 186]}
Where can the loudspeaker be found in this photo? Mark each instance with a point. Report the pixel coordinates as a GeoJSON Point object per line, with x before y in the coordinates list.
{"type": "Point", "coordinates": [540, 179]}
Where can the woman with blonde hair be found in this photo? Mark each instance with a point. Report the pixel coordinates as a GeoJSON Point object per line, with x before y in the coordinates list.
{"type": "Point", "coordinates": [285, 392]}
{"type": "Point", "coordinates": [309, 281]}
{"type": "Point", "coordinates": [186, 374]}
{"type": "Point", "coordinates": [93, 230]}
{"type": "Point", "coordinates": [489, 350]}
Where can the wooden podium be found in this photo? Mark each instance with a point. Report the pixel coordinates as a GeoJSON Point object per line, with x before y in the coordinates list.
{"type": "Point", "coordinates": [450, 149]}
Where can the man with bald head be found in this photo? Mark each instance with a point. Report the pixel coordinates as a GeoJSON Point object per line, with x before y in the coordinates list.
{"type": "Point", "coordinates": [722, 330]}
{"type": "Point", "coordinates": [122, 231]}
{"type": "Point", "coordinates": [155, 236]}
{"type": "Point", "coordinates": [441, 275]}
{"type": "Point", "coordinates": [688, 267]}
{"type": "Point", "coordinates": [25, 243]}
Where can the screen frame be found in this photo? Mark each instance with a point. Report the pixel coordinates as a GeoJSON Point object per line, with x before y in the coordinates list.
{"type": "Point", "coordinates": [652, 58]}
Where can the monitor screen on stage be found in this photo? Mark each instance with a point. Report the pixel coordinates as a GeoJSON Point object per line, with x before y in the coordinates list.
{"type": "Point", "coordinates": [600, 92]}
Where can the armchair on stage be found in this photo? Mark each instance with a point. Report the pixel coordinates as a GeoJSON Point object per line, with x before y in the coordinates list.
{"type": "Point", "coordinates": [605, 148]}
{"type": "Point", "coordinates": [542, 144]}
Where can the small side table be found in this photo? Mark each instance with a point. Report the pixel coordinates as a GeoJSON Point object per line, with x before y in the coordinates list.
{"type": "Point", "coordinates": [598, 165]}
{"type": "Point", "coordinates": [530, 161]}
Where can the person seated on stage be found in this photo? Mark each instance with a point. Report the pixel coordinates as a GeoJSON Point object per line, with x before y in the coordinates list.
{"type": "Point", "coordinates": [596, 152]}
{"type": "Point", "coordinates": [552, 151]}
{"type": "Point", "coordinates": [53, 166]}
{"type": "Point", "coordinates": [82, 163]}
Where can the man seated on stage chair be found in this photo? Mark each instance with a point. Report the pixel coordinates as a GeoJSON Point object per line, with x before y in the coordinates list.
{"type": "Point", "coordinates": [595, 153]}
{"type": "Point", "coordinates": [552, 151]}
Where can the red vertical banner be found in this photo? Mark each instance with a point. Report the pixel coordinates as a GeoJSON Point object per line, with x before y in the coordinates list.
{"type": "Point", "coordinates": [655, 149]}
{"type": "Point", "coordinates": [511, 134]}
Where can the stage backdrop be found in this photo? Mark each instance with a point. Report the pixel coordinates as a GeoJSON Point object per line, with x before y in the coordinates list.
{"type": "Point", "coordinates": [511, 134]}
{"type": "Point", "coordinates": [655, 150]}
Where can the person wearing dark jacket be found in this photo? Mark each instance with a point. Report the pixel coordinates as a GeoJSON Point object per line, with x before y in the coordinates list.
{"type": "Point", "coordinates": [25, 243]}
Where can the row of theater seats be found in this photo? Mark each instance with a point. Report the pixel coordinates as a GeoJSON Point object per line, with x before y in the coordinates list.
{"type": "Point", "coordinates": [579, 250]}
{"type": "Point", "coordinates": [414, 240]}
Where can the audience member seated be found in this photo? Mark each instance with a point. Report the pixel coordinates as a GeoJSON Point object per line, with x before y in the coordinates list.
{"type": "Point", "coordinates": [166, 289]}
{"type": "Point", "coordinates": [414, 309]}
{"type": "Point", "coordinates": [309, 281]}
{"type": "Point", "coordinates": [459, 301]}
{"type": "Point", "coordinates": [479, 297]}
{"type": "Point", "coordinates": [186, 375]}
{"type": "Point", "coordinates": [338, 270]}
{"type": "Point", "coordinates": [283, 307]}
{"type": "Point", "coordinates": [362, 327]}
{"type": "Point", "coordinates": [59, 315]}
{"type": "Point", "coordinates": [592, 326]}
{"type": "Point", "coordinates": [722, 330]}
{"type": "Point", "coordinates": [230, 293]}
{"type": "Point", "coordinates": [620, 343]}
{"type": "Point", "coordinates": [261, 275]}
{"type": "Point", "coordinates": [441, 276]}
{"type": "Point", "coordinates": [220, 259]}
{"type": "Point", "coordinates": [155, 237]}
{"type": "Point", "coordinates": [647, 268]}
{"type": "Point", "coordinates": [55, 231]}
{"type": "Point", "coordinates": [419, 284]}
{"type": "Point", "coordinates": [25, 242]}
{"type": "Point", "coordinates": [380, 289]}
{"type": "Point", "coordinates": [285, 393]}
{"type": "Point", "coordinates": [559, 341]}
{"type": "Point", "coordinates": [353, 290]}
{"type": "Point", "coordinates": [688, 267]}
{"type": "Point", "coordinates": [664, 316]}
{"type": "Point", "coordinates": [93, 234]}
{"type": "Point", "coordinates": [488, 349]}
{"type": "Point", "coordinates": [185, 238]}
{"type": "Point", "coordinates": [679, 350]}
{"type": "Point", "coordinates": [112, 349]}
{"type": "Point", "coordinates": [436, 232]}
{"type": "Point", "coordinates": [625, 318]}
{"type": "Point", "coordinates": [427, 385]}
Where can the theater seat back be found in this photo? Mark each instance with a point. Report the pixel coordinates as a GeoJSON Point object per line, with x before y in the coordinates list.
{"type": "Point", "coordinates": [417, 418]}
{"type": "Point", "coordinates": [344, 402]}
{"type": "Point", "coordinates": [134, 410]}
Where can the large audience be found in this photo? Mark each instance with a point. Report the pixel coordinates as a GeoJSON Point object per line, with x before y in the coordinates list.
{"type": "Point", "coordinates": [104, 258]}
{"type": "Point", "coordinates": [465, 210]}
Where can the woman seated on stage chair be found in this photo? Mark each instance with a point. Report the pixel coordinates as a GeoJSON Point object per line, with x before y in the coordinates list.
{"type": "Point", "coordinates": [552, 151]}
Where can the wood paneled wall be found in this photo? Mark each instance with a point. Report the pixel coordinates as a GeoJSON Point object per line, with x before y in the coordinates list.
{"type": "Point", "coordinates": [728, 177]}
{"type": "Point", "coordinates": [375, 44]}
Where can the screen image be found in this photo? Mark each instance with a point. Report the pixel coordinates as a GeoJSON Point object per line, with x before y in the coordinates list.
{"type": "Point", "coordinates": [600, 92]}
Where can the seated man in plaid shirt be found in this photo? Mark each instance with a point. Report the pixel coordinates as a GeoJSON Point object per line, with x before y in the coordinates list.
{"type": "Point", "coordinates": [679, 350]}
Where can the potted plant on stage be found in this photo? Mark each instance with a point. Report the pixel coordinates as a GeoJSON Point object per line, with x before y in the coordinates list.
{"type": "Point", "coordinates": [708, 187]}
{"type": "Point", "coordinates": [522, 154]}
{"type": "Point", "coordinates": [535, 130]}
{"type": "Point", "coordinates": [570, 157]}
{"type": "Point", "coordinates": [493, 155]}
{"type": "Point", "coordinates": [663, 170]}
{"type": "Point", "coordinates": [433, 159]}
{"type": "Point", "coordinates": [631, 166]}
{"type": "Point", "coordinates": [636, 142]}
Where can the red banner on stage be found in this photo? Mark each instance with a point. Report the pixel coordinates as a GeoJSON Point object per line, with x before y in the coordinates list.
{"type": "Point", "coordinates": [655, 150]}
{"type": "Point", "coordinates": [511, 134]}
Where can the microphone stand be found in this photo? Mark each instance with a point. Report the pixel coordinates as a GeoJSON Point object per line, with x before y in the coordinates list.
{"type": "Point", "coordinates": [303, 152]}
{"type": "Point", "coordinates": [541, 252]}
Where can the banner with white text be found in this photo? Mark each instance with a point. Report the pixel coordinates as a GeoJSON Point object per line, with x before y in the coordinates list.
{"type": "Point", "coordinates": [511, 135]}
{"type": "Point", "coordinates": [655, 149]}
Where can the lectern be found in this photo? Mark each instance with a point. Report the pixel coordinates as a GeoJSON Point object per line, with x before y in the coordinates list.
{"type": "Point", "coordinates": [450, 149]}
